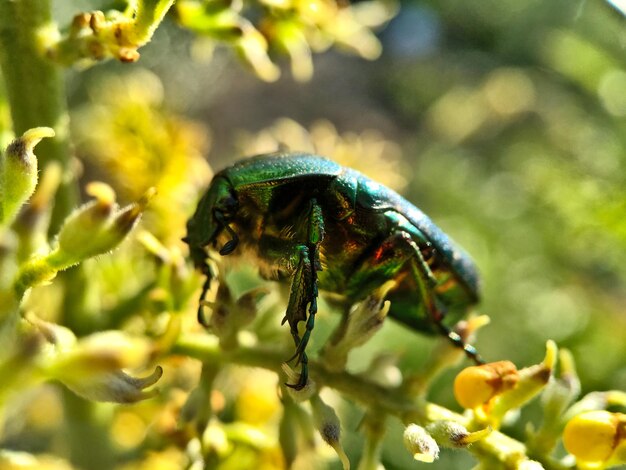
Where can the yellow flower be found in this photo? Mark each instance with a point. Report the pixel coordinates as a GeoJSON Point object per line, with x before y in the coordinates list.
{"type": "Point", "coordinates": [477, 385]}
{"type": "Point", "coordinates": [132, 139]}
{"type": "Point", "coordinates": [593, 437]}
{"type": "Point", "coordinates": [492, 390]}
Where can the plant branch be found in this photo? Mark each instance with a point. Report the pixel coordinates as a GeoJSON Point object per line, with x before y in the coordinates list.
{"type": "Point", "coordinates": [392, 401]}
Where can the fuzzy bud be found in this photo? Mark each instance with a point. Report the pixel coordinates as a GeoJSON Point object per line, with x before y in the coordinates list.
{"type": "Point", "coordinates": [420, 444]}
{"type": "Point", "coordinates": [363, 321]}
{"type": "Point", "coordinates": [98, 226]}
{"type": "Point", "coordinates": [455, 435]}
{"type": "Point", "coordinates": [329, 427]}
{"type": "Point", "coordinates": [18, 172]}
{"type": "Point", "coordinates": [92, 367]}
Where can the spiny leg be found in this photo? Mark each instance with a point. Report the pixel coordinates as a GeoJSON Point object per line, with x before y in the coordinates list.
{"type": "Point", "coordinates": [388, 259]}
{"type": "Point", "coordinates": [296, 312]}
{"type": "Point", "coordinates": [426, 282]}
{"type": "Point", "coordinates": [304, 291]}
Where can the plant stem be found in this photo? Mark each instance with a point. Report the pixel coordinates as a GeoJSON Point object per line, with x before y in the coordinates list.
{"type": "Point", "coordinates": [391, 401]}
{"type": "Point", "coordinates": [35, 88]}
{"type": "Point", "coordinates": [87, 434]}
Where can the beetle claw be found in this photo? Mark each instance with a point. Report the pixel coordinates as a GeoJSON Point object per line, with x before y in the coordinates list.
{"type": "Point", "coordinates": [304, 375]}
{"type": "Point", "coordinates": [297, 386]}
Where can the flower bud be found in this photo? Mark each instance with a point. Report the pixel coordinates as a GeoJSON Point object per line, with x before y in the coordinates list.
{"type": "Point", "coordinates": [329, 427]}
{"type": "Point", "coordinates": [116, 387]}
{"type": "Point", "coordinates": [532, 380]}
{"type": "Point", "coordinates": [288, 431]}
{"type": "Point", "coordinates": [18, 172]}
{"type": "Point", "coordinates": [33, 221]}
{"type": "Point", "coordinates": [455, 435]}
{"type": "Point", "coordinates": [494, 389]}
{"type": "Point", "coordinates": [289, 36]}
{"type": "Point", "coordinates": [592, 437]}
{"type": "Point", "coordinates": [92, 367]}
{"type": "Point", "coordinates": [97, 227]}
{"type": "Point", "coordinates": [420, 444]}
{"type": "Point", "coordinates": [475, 386]}
{"type": "Point", "coordinates": [252, 47]}
{"type": "Point", "coordinates": [561, 392]}
{"type": "Point", "coordinates": [229, 316]}
{"type": "Point", "coordinates": [362, 322]}
{"type": "Point", "coordinates": [104, 351]}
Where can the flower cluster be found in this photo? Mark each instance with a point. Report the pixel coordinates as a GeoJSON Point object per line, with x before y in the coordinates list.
{"type": "Point", "coordinates": [493, 393]}
{"type": "Point", "coordinates": [295, 28]}
{"type": "Point", "coordinates": [35, 350]}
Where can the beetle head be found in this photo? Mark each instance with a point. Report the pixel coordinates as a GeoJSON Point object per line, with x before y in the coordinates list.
{"type": "Point", "coordinates": [215, 211]}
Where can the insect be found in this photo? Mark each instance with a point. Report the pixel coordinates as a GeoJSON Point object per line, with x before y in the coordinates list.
{"type": "Point", "coordinates": [309, 221]}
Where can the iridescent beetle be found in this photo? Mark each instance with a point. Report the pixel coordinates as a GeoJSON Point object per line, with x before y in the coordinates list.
{"type": "Point", "coordinates": [310, 221]}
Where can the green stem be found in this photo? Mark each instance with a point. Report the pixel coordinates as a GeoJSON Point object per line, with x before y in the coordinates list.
{"type": "Point", "coordinates": [88, 435]}
{"type": "Point", "coordinates": [373, 425]}
{"type": "Point", "coordinates": [35, 88]}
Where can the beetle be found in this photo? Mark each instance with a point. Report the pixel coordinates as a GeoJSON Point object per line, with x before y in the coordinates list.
{"type": "Point", "coordinates": [307, 220]}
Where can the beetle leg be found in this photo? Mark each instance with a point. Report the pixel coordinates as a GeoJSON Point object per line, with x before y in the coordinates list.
{"type": "Point", "coordinates": [208, 273]}
{"type": "Point", "coordinates": [304, 290]}
{"type": "Point", "coordinates": [426, 282]}
{"type": "Point", "coordinates": [394, 255]}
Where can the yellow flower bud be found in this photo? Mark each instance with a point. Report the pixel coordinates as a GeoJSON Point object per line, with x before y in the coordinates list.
{"type": "Point", "coordinates": [592, 436]}
{"type": "Point", "coordinates": [477, 385]}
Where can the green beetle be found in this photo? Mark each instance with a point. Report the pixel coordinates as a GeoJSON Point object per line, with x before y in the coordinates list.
{"type": "Point", "coordinates": [305, 219]}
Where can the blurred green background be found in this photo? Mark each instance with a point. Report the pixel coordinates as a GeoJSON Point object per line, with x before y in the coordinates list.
{"type": "Point", "coordinates": [505, 121]}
